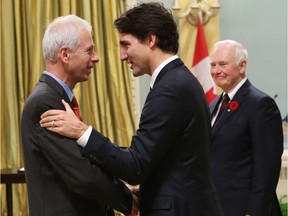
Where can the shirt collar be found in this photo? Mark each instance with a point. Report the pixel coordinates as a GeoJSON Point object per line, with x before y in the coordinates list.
{"type": "Point", "coordinates": [237, 87]}
{"type": "Point", "coordinates": [159, 68]}
{"type": "Point", "coordinates": [65, 87]}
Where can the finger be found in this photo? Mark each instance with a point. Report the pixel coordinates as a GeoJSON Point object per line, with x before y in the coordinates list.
{"type": "Point", "coordinates": [52, 112]}
{"type": "Point", "coordinates": [54, 129]}
{"type": "Point", "coordinates": [135, 190]}
{"type": "Point", "coordinates": [50, 121]}
{"type": "Point", "coordinates": [50, 115]}
{"type": "Point", "coordinates": [47, 123]}
{"type": "Point", "coordinates": [47, 119]}
{"type": "Point", "coordinates": [67, 106]}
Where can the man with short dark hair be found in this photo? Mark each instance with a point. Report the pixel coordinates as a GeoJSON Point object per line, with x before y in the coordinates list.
{"type": "Point", "coordinates": [169, 155]}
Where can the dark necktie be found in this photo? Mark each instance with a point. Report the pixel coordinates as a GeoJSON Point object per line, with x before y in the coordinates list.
{"type": "Point", "coordinates": [76, 108]}
{"type": "Point", "coordinates": [225, 102]}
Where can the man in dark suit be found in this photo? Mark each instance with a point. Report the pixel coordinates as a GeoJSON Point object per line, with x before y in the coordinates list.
{"type": "Point", "coordinates": [169, 154]}
{"type": "Point", "coordinates": [59, 180]}
{"type": "Point", "coordinates": [247, 138]}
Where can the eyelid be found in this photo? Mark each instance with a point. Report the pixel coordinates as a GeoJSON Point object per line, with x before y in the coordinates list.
{"type": "Point", "coordinates": [124, 44]}
{"type": "Point", "coordinates": [90, 50]}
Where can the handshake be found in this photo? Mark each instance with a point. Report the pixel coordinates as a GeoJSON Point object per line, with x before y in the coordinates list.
{"type": "Point", "coordinates": [135, 204]}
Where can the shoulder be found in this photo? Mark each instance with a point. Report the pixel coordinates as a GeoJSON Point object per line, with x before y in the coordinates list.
{"type": "Point", "coordinates": [259, 97]}
{"type": "Point", "coordinates": [261, 104]}
{"type": "Point", "coordinates": [42, 93]}
{"type": "Point", "coordinates": [43, 98]}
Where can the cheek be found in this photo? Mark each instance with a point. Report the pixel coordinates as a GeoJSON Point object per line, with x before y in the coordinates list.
{"type": "Point", "coordinates": [213, 72]}
{"type": "Point", "coordinates": [130, 52]}
{"type": "Point", "coordinates": [85, 61]}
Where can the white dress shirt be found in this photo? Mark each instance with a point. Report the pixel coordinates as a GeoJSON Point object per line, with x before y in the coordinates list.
{"type": "Point", "coordinates": [231, 95]}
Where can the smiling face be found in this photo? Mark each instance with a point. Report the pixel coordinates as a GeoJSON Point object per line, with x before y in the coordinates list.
{"type": "Point", "coordinates": [135, 53]}
{"type": "Point", "coordinates": [225, 70]}
{"type": "Point", "coordinates": [80, 62]}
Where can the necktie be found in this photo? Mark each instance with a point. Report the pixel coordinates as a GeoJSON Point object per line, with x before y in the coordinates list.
{"type": "Point", "coordinates": [76, 108]}
{"type": "Point", "coordinates": [225, 102]}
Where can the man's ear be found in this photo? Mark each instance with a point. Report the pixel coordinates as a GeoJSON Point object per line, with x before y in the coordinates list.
{"type": "Point", "coordinates": [152, 40]}
{"type": "Point", "coordinates": [243, 66]}
{"type": "Point", "coordinates": [64, 54]}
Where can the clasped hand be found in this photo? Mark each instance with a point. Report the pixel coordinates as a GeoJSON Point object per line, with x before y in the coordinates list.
{"type": "Point", "coordinates": [135, 205]}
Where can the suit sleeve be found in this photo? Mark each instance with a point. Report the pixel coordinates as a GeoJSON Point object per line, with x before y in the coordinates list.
{"type": "Point", "coordinates": [78, 173]}
{"type": "Point", "coordinates": [267, 146]}
{"type": "Point", "coordinates": [158, 130]}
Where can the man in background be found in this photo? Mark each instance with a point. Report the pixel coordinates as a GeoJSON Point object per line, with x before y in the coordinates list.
{"type": "Point", "coordinates": [247, 137]}
{"type": "Point", "coordinates": [59, 180]}
{"type": "Point", "coordinates": [169, 155]}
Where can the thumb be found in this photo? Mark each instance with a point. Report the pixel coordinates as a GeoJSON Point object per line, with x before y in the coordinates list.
{"type": "Point", "coordinates": [67, 106]}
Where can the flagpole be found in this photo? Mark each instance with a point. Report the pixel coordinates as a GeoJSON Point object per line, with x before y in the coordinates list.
{"type": "Point", "coordinates": [200, 16]}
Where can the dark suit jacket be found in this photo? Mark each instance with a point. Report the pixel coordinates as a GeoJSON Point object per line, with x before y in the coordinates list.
{"type": "Point", "coordinates": [247, 144]}
{"type": "Point", "coordinates": [169, 154]}
{"type": "Point", "coordinates": [60, 181]}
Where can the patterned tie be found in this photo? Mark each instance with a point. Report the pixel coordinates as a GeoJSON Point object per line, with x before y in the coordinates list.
{"type": "Point", "coordinates": [225, 102]}
{"type": "Point", "coordinates": [76, 108]}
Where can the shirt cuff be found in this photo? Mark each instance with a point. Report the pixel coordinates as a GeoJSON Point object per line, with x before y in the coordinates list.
{"type": "Point", "coordinates": [82, 141]}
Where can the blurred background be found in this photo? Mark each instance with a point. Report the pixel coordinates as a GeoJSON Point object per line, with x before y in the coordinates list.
{"type": "Point", "coordinates": [112, 99]}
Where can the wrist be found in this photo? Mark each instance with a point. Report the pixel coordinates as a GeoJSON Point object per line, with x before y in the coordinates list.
{"type": "Point", "coordinates": [82, 141]}
{"type": "Point", "coordinates": [82, 129]}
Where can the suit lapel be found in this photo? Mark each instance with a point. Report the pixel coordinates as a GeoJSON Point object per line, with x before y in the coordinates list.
{"type": "Point", "coordinates": [56, 86]}
{"type": "Point", "coordinates": [239, 98]}
{"type": "Point", "coordinates": [215, 104]}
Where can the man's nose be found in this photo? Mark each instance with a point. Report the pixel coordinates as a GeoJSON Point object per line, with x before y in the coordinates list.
{"type": "Point", "coordinates": [123, 55]}
{"type": "Point", "coordinates": [95, 58]}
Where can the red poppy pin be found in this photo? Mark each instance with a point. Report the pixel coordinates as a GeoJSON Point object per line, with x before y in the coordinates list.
{"type": "Point", "coordinates": [233, 105]}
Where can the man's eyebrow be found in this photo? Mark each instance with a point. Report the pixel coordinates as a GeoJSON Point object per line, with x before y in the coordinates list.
{"type": "Point", "coordinates": [122, 42]}
{"type": "Point", "coordinates": [89, 47]}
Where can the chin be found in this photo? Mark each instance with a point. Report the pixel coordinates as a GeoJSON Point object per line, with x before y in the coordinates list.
{"type": "Point", "coordinates": [220, 82]}
{"type": "Point", "coordinates": [84, 79]}
{"type": "Point", "coordinates": [135, 74]}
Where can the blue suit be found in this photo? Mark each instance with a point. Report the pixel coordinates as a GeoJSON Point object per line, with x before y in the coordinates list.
{"type": "Point", "coordinates": [169, 155]}
{"type": "Point", "coordinates": [247, 144]}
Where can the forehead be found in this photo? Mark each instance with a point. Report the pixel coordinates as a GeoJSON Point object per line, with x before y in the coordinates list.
{"type": "Point", "coordinates": [125, 38]}
{"type": "Point", "coordinates": [85, 39]}
{"type": "Point", "coordinates": [223, 52]}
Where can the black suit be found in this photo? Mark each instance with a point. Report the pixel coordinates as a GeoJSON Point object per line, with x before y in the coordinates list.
{"type": "Point", "coordinates": [247, 144]}
{"type": "Point", "coordinates": [169, 155]}
{"type": "Point", "coordinates": [60, 181]}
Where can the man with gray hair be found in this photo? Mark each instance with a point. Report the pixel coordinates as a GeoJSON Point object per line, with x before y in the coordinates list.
{"type": "Point", "coordinates": [169, 155]}
{"type": "Point", "coordinates": [247, 137]}
{"type": "Point", "coordinates": [59, 180]}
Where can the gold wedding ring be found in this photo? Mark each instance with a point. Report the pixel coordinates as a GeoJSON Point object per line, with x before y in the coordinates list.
{"type": "Point", "coordinates": [53, 123]}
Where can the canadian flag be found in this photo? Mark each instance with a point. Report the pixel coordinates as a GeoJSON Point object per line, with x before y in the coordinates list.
{"type": "Point", "coordinates": [201, 64]}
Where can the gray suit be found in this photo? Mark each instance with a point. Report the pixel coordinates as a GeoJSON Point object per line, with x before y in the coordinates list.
{"type": "Point", "coordinates": [60, 181]}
